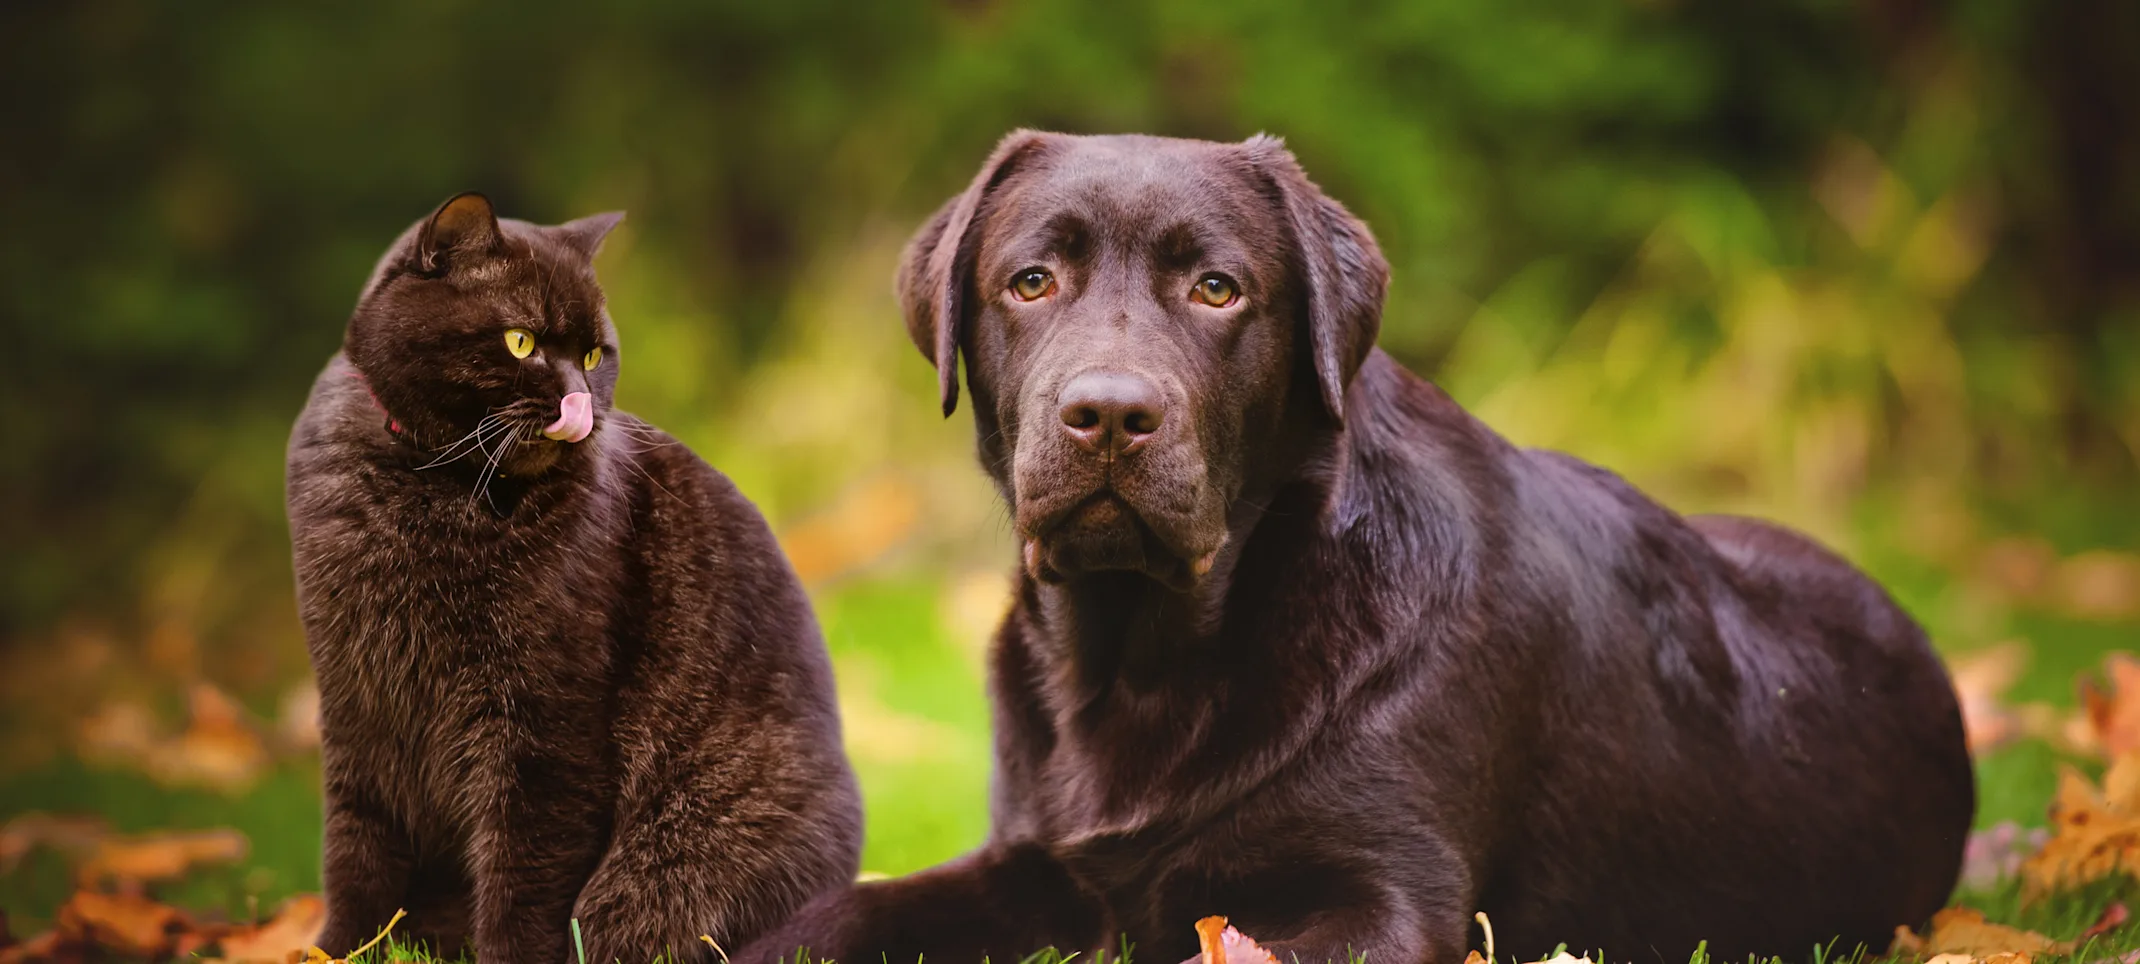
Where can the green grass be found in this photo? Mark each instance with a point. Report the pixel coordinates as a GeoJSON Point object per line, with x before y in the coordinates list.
{"type": "Point", "coordinates": [893, 651]}
{"type": "Point", "coordinates": [2069, 914]}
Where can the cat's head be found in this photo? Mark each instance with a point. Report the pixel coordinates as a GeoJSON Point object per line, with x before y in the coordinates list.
{"type": "Point", "coordinates": [486, 339]}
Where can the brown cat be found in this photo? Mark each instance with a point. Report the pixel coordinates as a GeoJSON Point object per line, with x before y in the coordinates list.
{"type": "Point", "coordinates": [564, 670]}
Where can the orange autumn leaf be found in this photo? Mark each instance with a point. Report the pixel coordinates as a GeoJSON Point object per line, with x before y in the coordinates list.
{"type": "Point", "coordinates": [1224, 945]}
{"type": "Point", "coordinates": [220, 747]}
{"type": "Point", "coordinates": [67, 834]}
{"type": "Point", "coordinates": [2011, 957]}
{"type": "Point", "coordinates": [1980, 679]}
{"type": "Point", "coordinates": [294, 929]}
{"type": "Point", "coordinates": [43, 947]}
{"type": "Point", "coordinates": [125, 924]}
{"type": "Point", "coordinates": [2094, 833]}
{"type": "Point", "coordinates": [2114, 716]}
{"type": "Point", "coordinates": [153, 857]}
{"type": "Point", "coordinates": [2100, 585]}
{"type": "Point", "coordinates": [1963, 933]}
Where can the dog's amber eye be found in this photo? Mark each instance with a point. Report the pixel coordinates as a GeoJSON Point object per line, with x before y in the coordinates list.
{"type": "Point", "coordinates": [1215, 290]}
{"type": "Point", "coordinates": [519, 341]}
{"type": "Point", "coordinates": [592, 358]}
{"type": "Point", "coordinates": [1032, 283]}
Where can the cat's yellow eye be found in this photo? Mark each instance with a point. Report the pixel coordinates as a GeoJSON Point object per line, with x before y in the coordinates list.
{"type": "Point", "coordinates": [1215, 290]}
{"type": "Point", "coordinates": [592, 359]}
{"type": "Point", "coordinates": [520, 341]}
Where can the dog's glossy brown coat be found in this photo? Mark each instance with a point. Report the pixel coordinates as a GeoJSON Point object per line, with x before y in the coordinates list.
{"type": "Point", "coordinates": [1429, 673]}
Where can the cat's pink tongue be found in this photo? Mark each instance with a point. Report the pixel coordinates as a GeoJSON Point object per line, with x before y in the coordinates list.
{"type": "Point", "coordinates": [575, 418]}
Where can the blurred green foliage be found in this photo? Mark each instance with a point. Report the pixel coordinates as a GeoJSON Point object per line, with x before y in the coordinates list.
{"type": "Point", "coordinates": [1868, 266]}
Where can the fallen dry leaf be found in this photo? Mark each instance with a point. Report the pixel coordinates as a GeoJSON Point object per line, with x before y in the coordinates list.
{"type": "Point", "coordinates": [1980, 678]}
{"type": "Point", "coordinates": [2114, 917]}
{"type": "Point", "coordinates": [2067, 730]}
{"type": "Point", "coordinates": [43, 947]}
{"type": "Point", "coordinates": [69, 834]}
{"type": "Point", "coordinates": [2094, 833]}
{"type": "Point", "coordinates": [1224, 945]}
{"type": "Point", "coordinates": [298, 728]}
{"type": "Point", "coordinates": [2100, 585]}
{"type": "Point", "coordinates": [2114, 716]}
{"type": "Point", "coordinates": [131, 861]}
{"type": "Point", "coordinates": [119, 731]}
{"type": "Point", "coordinates": [1959, 932]}
{"type": "Point", "coordinates": [295, 927]}
{"type": "Point", "coordinates": [2016, 569]}
{"type": "Point", "coordinates": [127, 924]}
{"type": "Point", "coordinates": [220, 748]}
{"type": "Point", "coordinates": [2007, 958]}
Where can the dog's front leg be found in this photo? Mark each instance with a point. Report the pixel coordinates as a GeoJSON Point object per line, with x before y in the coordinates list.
{"type": "Point", "coordinates": [1001, 902]}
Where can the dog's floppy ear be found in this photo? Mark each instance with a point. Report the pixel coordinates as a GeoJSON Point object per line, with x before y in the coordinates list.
{"type": "Point", "coordinates": [937, 268]}
{"type": "Point", "coordinates": [1338, 260]}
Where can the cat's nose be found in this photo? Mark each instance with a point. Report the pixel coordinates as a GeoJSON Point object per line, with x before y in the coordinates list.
{"type": "Point", "coordinates": [575, 418]}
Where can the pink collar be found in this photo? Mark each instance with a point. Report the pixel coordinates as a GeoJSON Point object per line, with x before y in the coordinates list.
{"type": "Point", "coordinates": [391, 425]}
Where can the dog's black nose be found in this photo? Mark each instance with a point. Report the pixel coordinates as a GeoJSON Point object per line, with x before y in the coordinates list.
{"type": "Point", "coordinates": [1105, 411]}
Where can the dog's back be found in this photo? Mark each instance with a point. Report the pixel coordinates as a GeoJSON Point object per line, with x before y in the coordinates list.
{"type": "Point", "coordinates": [1760, 751]}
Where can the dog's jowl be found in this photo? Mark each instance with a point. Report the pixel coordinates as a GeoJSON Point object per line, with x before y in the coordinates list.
{"type": "Point", "coordinates": [1300, 642]}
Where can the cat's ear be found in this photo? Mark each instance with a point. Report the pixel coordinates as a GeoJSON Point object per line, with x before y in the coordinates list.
{"type": "Point", "coordinates": [465, 224]}
{"type": "Point", "coordinates": [586, 234]}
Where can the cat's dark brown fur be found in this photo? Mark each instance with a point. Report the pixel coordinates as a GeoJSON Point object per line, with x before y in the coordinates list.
{"type": "Point", "coordinates": [558, 679]}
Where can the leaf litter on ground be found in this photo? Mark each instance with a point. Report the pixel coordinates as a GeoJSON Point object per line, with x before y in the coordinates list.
{"type": "Point", "coordinates": [111, 913]}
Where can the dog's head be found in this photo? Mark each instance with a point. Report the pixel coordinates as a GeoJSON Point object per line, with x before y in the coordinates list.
{"type": "Point", "coordinates": [1150, 326]}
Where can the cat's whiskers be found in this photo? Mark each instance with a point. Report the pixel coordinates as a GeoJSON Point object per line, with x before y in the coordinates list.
{"type": "Point", "coordinates": [511, 439]}
{"type": "Point", "coordinates": [474, 440]}
{"type": "Point", "coordinates": [479, 445]}
{"type": "Point", "coordinates": [653, 438]}
{"type": "Point", "coordinates": [493, 457]}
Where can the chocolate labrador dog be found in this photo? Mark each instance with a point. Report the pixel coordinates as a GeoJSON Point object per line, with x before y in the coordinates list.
{"type": "Point", "coordinates": [1300, 642]}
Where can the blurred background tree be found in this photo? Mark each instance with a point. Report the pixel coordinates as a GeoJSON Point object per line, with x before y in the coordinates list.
{"type": "Point", "coordinates": [1866, 266]}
